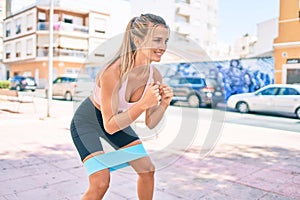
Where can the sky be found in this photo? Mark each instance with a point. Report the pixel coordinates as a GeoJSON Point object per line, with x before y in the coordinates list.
{"type": "Point", "coordinates": [238, 17]}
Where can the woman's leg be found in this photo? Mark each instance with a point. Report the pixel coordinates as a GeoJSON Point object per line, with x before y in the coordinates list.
{"type": "Point", "coordinates": [145, 170]}
{"type": "Point", "coordinates": [98, 185]}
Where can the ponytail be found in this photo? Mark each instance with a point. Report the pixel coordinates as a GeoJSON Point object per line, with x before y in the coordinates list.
{"type": "Point", "coordinates": [127, 50]}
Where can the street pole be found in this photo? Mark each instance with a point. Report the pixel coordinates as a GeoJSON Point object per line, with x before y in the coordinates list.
{"type": "Point", "coordinates": [50, 58]}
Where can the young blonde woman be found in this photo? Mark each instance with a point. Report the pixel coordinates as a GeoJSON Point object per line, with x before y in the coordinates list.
{"type": "Point", "coordinates": [127, 87]}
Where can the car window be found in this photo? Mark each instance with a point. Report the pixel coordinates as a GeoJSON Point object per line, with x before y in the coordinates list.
{"type": "Point", "coordinates": [174, 81]}
{"type": "Point", "coordinates": [288, 91]}
{"type": "Point", "coordinates": [269, 91]}
{"type": "Point", "coordinates": [183, 81]}
{"type": "Point", "coordinates": [67, 79]}
{"type": "Point", "coordinates": [198, 81]}
{"type": "Point", "coordinates": [58, 80]}
{"type": "Point", "coordinates": [84, 80]}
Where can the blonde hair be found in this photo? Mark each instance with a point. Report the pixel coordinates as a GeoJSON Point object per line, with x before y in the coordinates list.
{"type": "Point", "coordinates": [138, 28]}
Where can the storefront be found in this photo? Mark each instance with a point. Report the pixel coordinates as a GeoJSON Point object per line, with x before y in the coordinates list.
{"type": "Point", "coordinates": [291, 71]}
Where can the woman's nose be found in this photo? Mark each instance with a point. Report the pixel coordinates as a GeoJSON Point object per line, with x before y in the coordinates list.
{"type": "Point", "coordinates": [162, 45]}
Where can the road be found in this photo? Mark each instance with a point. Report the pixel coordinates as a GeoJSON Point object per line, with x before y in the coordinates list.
{"type": "Point", "coordinates": [238, 162]}
{"type": "Point", "coordinates": [279, 122]}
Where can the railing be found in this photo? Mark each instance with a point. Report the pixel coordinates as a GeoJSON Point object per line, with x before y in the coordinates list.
{"type": "Point", "coordinates": [62, 26]}
{"type": "Point", "coordinates": [42, 52]}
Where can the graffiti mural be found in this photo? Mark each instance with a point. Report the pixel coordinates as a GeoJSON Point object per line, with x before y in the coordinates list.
{"type": "Point", "coordinates": [233, 76]}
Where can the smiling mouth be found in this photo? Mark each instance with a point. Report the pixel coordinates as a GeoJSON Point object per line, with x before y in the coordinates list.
{"type": "Point", "coordinates": [160, 53]}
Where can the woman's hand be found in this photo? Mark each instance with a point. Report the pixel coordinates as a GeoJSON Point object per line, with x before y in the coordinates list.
{"type": "Point", "coordinates": [166, 94]}
{"type": "Point", "coordinates": [151, 97]}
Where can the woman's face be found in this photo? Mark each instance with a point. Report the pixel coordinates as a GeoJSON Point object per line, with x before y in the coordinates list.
{"type": "Point", "coordinates": [157, 44]}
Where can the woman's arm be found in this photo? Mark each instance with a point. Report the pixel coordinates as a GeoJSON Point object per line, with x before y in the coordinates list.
{"type": "Point", "coordinates": [114, 121]}
{"type": "Point", "coordinates": [156, 113]}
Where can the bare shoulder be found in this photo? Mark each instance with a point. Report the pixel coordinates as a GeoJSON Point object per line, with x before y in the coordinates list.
{"type": "Point", "coordinates": [111, 73]}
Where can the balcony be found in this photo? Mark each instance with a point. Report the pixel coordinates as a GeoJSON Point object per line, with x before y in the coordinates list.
{"type": "Point", "coordinates": [183, 28]}
{"type": "Point", "coordinates": [43, 52]}
{"type": "Point", "coordinates": [183, 9]}
{"type": "Point", "coordinates": [62, 26]}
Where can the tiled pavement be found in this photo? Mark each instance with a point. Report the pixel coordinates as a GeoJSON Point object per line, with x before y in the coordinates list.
{"type": "Point", "coordinates": [39, 161]}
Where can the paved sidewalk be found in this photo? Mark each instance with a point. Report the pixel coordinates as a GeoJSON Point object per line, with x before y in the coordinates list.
{"type": "Point", "coordinates": [38, 161]}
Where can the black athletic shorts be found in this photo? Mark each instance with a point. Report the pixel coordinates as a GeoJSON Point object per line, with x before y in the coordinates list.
{"type": "Point", "coordinates": [87, 128]}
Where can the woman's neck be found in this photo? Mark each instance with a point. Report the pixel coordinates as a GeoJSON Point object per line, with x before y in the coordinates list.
{"type": "Point", "coordinates": [140, 60]}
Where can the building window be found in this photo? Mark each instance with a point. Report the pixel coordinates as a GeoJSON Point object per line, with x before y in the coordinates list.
{"type": "Point", "coordinates": [42, 17]}
{"type": "Point", "coordinates": [29, 21]}
{"type": "Point", "coordinates": [7, 31]}
{"type": "Point", "coordinates": [68, 19]}
{"type": "Point", "coordinates": [100, 25]}
{"type": "Point", "coordinates": [29, 47]}
{"type": "Point", "coordinates": [18, 49]}
{"type": "Point", "coordinates": [182, 19]}
{"type": "Point", "coordinates": [293, 76]}
{"type": "Point", "coordinates": [8, 51]}
{"type": "Point", "coordinates": [183, 1]}
{"type": "Point", "coordinates": [18, 26]}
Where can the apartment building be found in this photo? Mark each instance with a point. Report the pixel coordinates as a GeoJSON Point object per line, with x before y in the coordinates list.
{"type": "Point", "coordinates": [76, 35]}
{"type": "Point", "coordinates": [2, 15]}
{"type": "Point", "coordinates": [195, 20]}
{"type": "Point", "coordinates": [287, 44]}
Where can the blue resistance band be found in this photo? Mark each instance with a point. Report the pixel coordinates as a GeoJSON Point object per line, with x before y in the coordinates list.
{"type": "Point", "coordinates": [114, 160]}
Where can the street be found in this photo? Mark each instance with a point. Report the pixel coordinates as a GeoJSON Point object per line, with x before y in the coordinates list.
{"type": "Point", "coordinates": [198, 154]}
{"type": "Point", "coordinates": [267, 120]}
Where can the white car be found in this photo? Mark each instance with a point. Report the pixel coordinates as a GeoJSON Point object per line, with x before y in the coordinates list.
{"type": "Point", "coordinates": [72, 87]}
{"type": "Point", "coordinates": [274, 98]}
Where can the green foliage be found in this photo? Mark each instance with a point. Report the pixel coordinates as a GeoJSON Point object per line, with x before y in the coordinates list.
{"type": "Point", "coordinates": [4, 84]}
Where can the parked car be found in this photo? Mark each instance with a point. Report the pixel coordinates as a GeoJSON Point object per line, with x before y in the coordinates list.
{"type": "Point", "coordinates": [195, 91]}
{"type": "Point", "coordinates": [274, 98]}
{"type": "Point", "coordinates": [22, 83]}
{"type": "Point", "coordinates": [70, 87]}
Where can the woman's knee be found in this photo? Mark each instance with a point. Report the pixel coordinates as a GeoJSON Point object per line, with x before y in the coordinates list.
{"type": "Point", "coordinates": [143, 165]}
{"type": "Point", "coordinates": [148, 171]}
{"type": "Point", "coordinates": [99, 181]}
{"type": "Point", "coordinates": [147, 176]}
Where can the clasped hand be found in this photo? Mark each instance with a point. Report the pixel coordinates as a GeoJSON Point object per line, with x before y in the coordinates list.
{"type": "Point", "coordinates": [157, 92]}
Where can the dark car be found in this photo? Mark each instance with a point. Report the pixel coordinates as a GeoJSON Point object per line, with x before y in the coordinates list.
{"type": "Point", "coordinates": [22, 83]}
{"type": "Point", "coordinates": [195, 91]}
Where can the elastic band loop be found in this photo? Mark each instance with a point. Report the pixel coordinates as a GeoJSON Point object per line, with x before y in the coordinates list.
{"type": "Point", "coordinates": [114, 160]}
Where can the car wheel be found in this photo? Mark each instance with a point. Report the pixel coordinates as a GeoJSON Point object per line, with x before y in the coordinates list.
{"type": "Point", "coordinates": [68, 96]}
{"type": "Point", "coordinates": [18, 87]}
{"type": "Point", "coordinates": [194, 100]}
{"type": "Point", "coordinates": [298, 113]}
{"type": "Point", "coordinates": [242, 107]}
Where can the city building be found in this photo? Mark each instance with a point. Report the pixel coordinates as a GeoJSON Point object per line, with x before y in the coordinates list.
{"type": "Point", "coordinates": [2, 15]}
{"type": "Point", "coordinates": [251, 46]}
{"type": "Point", "coordinates": [287, 44]}
{"type": "Point", "coordinates": [267, 31]}
{"type": "Point", "coordinates": [243, 47]}
{"type": "Point", "coordinates": [192, 20]}
{"type": "Point", "coordinates": [77, 33]}
{"type": "Point", "coordinates": [80, 27]}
